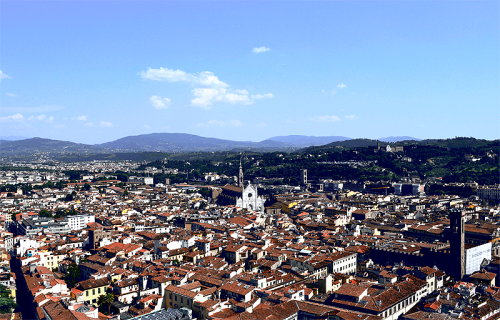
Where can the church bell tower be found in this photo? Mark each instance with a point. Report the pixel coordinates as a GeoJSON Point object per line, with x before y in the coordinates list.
{"type": "Point", "coordinates": [457, 243]}
{"type": "Point", "coordinates": [240, 177]}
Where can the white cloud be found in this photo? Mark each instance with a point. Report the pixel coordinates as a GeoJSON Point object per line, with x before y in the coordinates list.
{"type": "Point", "coordinates": [341, 86]}
{"type": "Point", "coordinates": [260, 49]}
{"type": "Point", "coordinates": [105, 124]}
{"type": "Point", "coordinates": [80, 118]}
{"type": "Point", "coordinates": [12, 95]}
{"type": "Point", "coordinates": [14, 117]}
{"type": "Point", "coordinates": [218, 123]}
{"type": "Point", "coordinates": [102, 124]}
{"type": "Point", "coordinates": [159, 102]}
{"type": "Point", "coordinates": [239, 96]}
{"type": "Point", "coordinates": [324, 118]}
{"type": "Point", "coordinates": [333, 92]}
{"type": "Point", "coordinates": [262, 96]}
{"type": "Point", "coordinates": [208, 88]}
{"type": "Point", "coordinates": [165, 74]}
{"type": "Point", "coordinates": [204, 97]}
{"type": "Point", "coordinates": [147, 126]}
{"type": "Point", "coordinates": [42, 117]}
{"type": "Point", "coordinates": [208, 79]}
{"type": "Point", "coordinates": [204, 78]}
{"type": "Point", "coordinates": [262, 125]}
{"type": "Point", "coordinates": [351, 117]}
{"type": "Point", "coordinates": [3, 76]}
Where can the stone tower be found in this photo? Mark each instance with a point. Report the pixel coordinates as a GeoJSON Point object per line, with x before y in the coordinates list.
{"type": "Point", "coordinates": [457, 242]}
{"type": "Point", "coordinates": [240, 177]}
{"type": "Point", "coordinates": [303, 176]}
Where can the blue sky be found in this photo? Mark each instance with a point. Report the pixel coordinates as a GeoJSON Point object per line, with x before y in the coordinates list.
{"type": "Point", "coordinates": [97, 71]}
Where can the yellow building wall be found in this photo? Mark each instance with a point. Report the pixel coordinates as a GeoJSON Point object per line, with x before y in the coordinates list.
{"type": "Point", "coordinates": [91, 294]}
{"type": "Point", "coordinates": [54, 262]}
{"type": "Point", "coordinates": [285, 207]}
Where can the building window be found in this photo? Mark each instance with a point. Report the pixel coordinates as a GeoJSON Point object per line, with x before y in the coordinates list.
{"type": "Point", "coordinates": [87, 293]}
{"type": "Point", "coordinates": [93, 291]}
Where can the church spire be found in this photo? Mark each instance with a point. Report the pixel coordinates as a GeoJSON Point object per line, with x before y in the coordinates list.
{"type": "Point", "coordinates": [240, 177]}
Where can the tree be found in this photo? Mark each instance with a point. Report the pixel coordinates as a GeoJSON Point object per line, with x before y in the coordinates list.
{"type": "Point", "coordinates": [122, 177]}
{"type": "Point", "coordinates": [44, 213]}
{"type": "Point", "coordinates": [196, 174]}
{"type": "Point", "coordinates": [86, 187]}
{"type": "Point", "coordinates": [6, 301]}
{"type": "Point", "coordinates": [106, 300]}
{"type": "Point", "coordinates": [73, 275]}
{"type": "Point", "coordinates": [294, 181]}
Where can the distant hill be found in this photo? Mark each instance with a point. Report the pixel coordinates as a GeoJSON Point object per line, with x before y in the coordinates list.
{"type": "Point", "coordinates": [353, 143]}
{"type": "Point", "coordinates": [398, 138]}
{"type": "Point", "coordinates": [457, 142]}
{"type": "Point", "coordinates": [183, 142]}
{"type": "Point", "coordinates": [306, 141]}
{"type": "Point", "coordinates": [34, 145]}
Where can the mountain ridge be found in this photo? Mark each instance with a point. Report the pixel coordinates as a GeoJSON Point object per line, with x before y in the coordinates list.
{"type": "Point", "coordinates": [183, 142]}
{"type": "Point", "coordinates": [177, 142]}
{"type": "Point", "coordinates": [306, 141]}
{"type": "Point", "coordinates": [37, 144]}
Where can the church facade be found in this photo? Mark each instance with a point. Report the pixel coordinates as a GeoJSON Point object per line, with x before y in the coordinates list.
{"type": "Point", "coordinates": [250, 199]}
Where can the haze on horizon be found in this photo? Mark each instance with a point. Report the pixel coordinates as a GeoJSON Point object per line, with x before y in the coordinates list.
{"type": "Point", "coordinates": [94, 72]}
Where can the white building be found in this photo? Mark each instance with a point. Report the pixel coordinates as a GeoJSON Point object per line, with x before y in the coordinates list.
{"type": "Point", "coordinates": [80, 221]}
{"type": "Point", "coordinates": [408, 189]}
{"type": "Point", "coordinates": [26, 243]}
{"type": "Point", "coordinates": [143, 180]}
{"type": "Point", "coordinates": [250, 199]}
{"type": "Point", "coordinates": [475, 256]}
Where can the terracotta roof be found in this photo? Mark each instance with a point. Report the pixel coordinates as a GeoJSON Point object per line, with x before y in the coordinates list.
{"type": "Point", "coordinates": [180, 291]}
{"type": "Point", "coordinates": [93, 283]}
